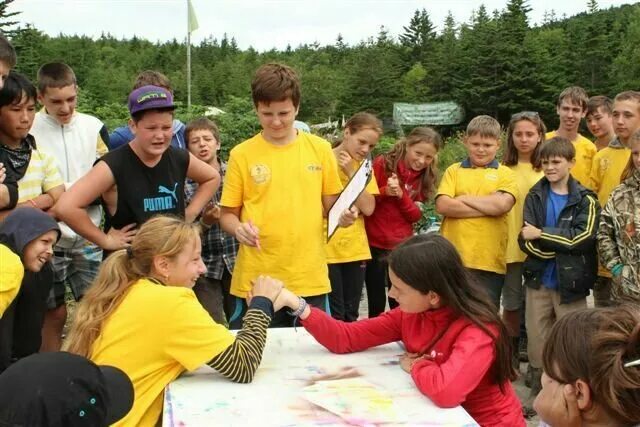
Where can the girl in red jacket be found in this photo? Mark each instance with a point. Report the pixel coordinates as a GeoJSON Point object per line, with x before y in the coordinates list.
{"type": "Point", "coordinates": [407, 174]}
{"type": "Point", "coordinates": [457, 347]}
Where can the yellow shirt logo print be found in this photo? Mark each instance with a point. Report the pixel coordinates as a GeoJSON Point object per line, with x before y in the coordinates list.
{"type": "Point", "coordinates": [260, 173]}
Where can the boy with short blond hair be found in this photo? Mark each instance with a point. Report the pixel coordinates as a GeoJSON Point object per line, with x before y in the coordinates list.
{"type": "Point", "coordinates": [474, 197]}
{"type": "Point", "coordinates": [219, 249]}
{"type": "Point", "coordinates": [600, 121]}
{"type": "Point", "coordinates": [571, 108]}
{"type": "Point", "coordinates": [559, 238]}
{"type": "Point", "coordinates": [76, 141]}
{"type": "Point", "coordinates": [277, 186]}
{"type": "Point", "coordinates": [607, 169]}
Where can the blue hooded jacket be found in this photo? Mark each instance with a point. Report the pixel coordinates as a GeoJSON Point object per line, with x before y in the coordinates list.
{"type": "Point", "coordinates": [24, 225]}
{"type": "Point", "coordinates": [123, 135]}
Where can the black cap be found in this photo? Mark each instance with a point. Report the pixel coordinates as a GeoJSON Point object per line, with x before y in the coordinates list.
{"type": "Point", "coordinates": [63, 389]}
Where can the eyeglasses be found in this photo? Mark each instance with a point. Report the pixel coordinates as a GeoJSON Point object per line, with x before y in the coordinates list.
{"type": "Point", "coordinates": [525, 115]}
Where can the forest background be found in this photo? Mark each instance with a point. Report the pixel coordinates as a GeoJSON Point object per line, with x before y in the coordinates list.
{"type": "Point", "coordinates": [496, 64]}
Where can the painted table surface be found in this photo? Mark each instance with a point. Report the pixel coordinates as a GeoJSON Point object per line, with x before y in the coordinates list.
{"type": "Point", "coordinates": [300, 383]}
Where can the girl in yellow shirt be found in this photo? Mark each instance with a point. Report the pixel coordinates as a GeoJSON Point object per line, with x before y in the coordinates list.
{"type": "Point", "coordinates": [525, 135]}
{"type": "Point", "coordinates": [141, 316]}
{"type": "Point", "coordinates": [348, 248]}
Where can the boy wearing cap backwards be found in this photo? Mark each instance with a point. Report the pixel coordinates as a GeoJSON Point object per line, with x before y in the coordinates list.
{"type": "Point", "coordinates": [141, 179]}
{"type": "Point", "coordinates": [61, 389]}
{"type": "Point", "coordinates": [75, 140]}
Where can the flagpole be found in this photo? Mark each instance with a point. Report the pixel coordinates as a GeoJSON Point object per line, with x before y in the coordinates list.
{"type": "Point", "coordinates": [188, 58]}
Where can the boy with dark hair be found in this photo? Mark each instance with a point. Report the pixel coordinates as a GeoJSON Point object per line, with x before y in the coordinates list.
{"type": "Point", "coordinates": [277, 187]}
{"type": "Point", "coordinates": [123, 134]}
{"type": "Point", "coordinates": [607, 169]}
{"type": "Point", "coordinates": [8, 185]}
{"type": "Point", "coordinates": [559, 238]}
{"type": "Point", "coordinates": [599, 120]}
{"type": "Point", "coordinates": [75, 140]}
{"type": "Point", "coordinates": [571, 108]}
{"type": "Point", "coordinates": [475, 197]}
{"type": "Point", "coordinates": [39, 181]}
{"type": "Point", "coordinates": [219, 249]}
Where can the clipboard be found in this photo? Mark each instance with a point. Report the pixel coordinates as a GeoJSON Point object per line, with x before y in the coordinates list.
{"type": "Point", "coordinates": [349, 194]}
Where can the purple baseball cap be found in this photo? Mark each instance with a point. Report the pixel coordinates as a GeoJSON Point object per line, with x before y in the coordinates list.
{"type": "Point", "coordinates": [150, 98]}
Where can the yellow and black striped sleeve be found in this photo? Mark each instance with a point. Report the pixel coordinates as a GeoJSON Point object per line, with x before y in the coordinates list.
{"type": "Point", "coordinates": [241, 359]}
{"type": "Point", "coordinates": [580, 236]}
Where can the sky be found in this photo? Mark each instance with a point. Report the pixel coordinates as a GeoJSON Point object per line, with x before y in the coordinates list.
{"type": "Point", "coordinates": [263, 24]}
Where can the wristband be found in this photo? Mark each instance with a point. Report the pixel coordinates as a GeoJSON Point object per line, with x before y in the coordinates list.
{"type": "Point", "coordinates": [301, 308]}
{"type": "Point", "coordinates": [616, 270]}
{"type": "Point", "coordinates": [204, 224]}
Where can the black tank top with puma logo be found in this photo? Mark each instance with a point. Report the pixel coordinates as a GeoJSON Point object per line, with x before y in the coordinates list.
{"type": "Point", "coordinates": [145, 191]}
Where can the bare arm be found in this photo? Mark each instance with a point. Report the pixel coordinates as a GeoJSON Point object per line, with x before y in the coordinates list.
{"type": "Point", "coordinates": [454, 208]}
{"type": "Point", "coordinates": [495, 204]}
{"type": "Point", "coordinates": [71, 205]}
{"type": "Point", "coordinates": [208, 180]}
{"type": "Point", "coordinates": [366, 203]}
{"type": "Point", "coordinates": [4, 196]}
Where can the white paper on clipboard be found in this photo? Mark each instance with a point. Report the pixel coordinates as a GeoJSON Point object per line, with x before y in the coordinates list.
{"type": "Point", "coordinates": [347, 198]}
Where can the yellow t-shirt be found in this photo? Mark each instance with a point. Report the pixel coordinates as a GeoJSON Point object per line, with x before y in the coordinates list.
{"type": "Point", "coordinates": [607, 167]}
{"type": "Point", "coordinates": [156, 333]}
{"type": "Point", "coordinates": [526, 177]}
{"type": "Point", "coordinates": [481, 241]}
{"type": "Point", "coordinates": [42, 175]}
{"type": "Point", "coordinates": [11, 274]}
{"type": "Point", "coordinates": [351, 244]}
{"type": "Point", "coordinates": [280, 190]}
{"type": "Point", "coordinates": [585, 151]}
{"type": "Point", "coordinates": [606, 170]}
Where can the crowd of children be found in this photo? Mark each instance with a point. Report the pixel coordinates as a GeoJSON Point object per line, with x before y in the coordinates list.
{"type": "Point", "coordinates": [166, 246]}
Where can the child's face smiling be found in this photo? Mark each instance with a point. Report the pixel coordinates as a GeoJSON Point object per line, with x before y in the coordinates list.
{"type": "Point", "coordinates": [60, 103]}
{"type": "Point", "coordinates": [153, 132]}
{"type": "Point", "coordinates": [39, 251]}
{"type": "Point", "coordinates": [600, 123]}
{"type": "Point", "coordinates": [187, 266]}
{"type": "Point", "coordinates": [420, 155]}
{"type": "Point", "coordinates": [482, 150]}
{"type": "Point", "coordinates": [570, 115]}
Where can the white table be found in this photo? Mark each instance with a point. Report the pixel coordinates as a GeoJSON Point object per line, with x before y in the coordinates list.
{"type": "Point", "coordinates": [280, 394]}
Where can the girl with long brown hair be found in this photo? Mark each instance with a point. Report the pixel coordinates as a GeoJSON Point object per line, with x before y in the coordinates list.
{"type": "Point", "coordinates": [141, 316]}
{"type": "Point", "coordinates": [406, 174]}
{"type": "Point", "coordinates": [457, 346]}
{"type": "Point", "coordinates": [525, 136]}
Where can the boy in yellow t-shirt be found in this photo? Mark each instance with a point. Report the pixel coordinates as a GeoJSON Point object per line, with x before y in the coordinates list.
{"type": "Point", "coordinates": [474, 197]}
{"type": "Point", "coordinates": [571, 108]}
{"type": "Point", "coordinates": [278, 185]}
{"type": "Point", "coordinates": [600, 121]}
{"type": "Point", "coordinates": [607, 169]}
